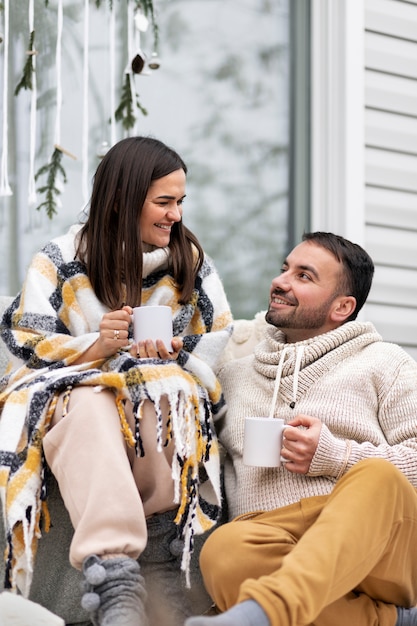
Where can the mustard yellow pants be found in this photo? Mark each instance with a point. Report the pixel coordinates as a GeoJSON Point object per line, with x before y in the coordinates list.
{"type": "Point", "coordinates": [346, 559]}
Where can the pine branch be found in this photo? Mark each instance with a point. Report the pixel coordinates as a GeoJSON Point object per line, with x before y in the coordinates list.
{"type": "Point", "coordinates": [52, 169]}
{"type": "Point", "coordinates": [99, 3]}
{"type": "Point", "coordinates": [125, 111]}
{"type": "Point", "coordinates": [28, 70]}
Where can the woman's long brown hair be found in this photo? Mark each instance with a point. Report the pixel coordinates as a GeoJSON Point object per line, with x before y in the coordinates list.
{"type": "Point", "coordinates": [110, 243]}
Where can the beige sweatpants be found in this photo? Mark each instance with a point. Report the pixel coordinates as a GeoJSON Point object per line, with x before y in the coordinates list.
{"type": "Point", "coordinates": [107, 490]}
{"type": "Point", "coordinates": [346, 559]}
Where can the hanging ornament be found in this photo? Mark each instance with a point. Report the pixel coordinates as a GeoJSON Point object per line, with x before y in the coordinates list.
{"type": "Point", "coordinates": [138, 62]}
{"type": "Point", "coordinates": [141, 21]}
{"type": "Point", "coordinates": [102, 150]}
{"type": "Point", "coordinates": [129, 101]}
{"type": "Point", "coordinates": [154, 63]}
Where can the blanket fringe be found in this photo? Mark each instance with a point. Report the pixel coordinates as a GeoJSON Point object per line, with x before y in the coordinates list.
{"type": "Point", "coordinates": [126, 430]}
{"type": "Point", "coordinates": [188, 425]}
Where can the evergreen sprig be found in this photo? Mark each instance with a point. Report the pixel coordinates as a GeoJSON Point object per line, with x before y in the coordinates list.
{"type": "Point", "coordinates": [100, 2]}
{"type": "Point", "coordinates": [51, 191]}
{"type": "Point", "coordinates": [28, 69]}
{"type": "Point", "coordinates": [125, 111]}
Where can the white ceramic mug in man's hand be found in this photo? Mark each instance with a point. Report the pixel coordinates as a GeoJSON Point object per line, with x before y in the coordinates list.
{"type": "Point", "coordinates": [263, 441]}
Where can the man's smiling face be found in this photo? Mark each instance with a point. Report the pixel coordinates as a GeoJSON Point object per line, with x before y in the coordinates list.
{"type": "Point", "coordinates": [306, 293]}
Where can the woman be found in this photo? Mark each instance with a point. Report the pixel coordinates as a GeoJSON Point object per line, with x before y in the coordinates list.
{"type": "Point", "coordinates": [126, 429]}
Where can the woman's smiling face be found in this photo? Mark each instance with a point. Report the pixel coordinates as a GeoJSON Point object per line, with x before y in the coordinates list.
{"type": "Point", "coordinates": [162, 208]}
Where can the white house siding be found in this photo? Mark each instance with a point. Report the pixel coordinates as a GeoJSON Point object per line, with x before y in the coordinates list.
{"type": "Point", "coordinates": [391, 166]}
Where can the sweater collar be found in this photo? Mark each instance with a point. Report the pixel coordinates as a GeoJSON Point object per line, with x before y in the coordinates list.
{"type": "Point", "coordinates": [296, 366]}
{"type": "Point", "coordinates": [156, 259]}
{"type": "Point", "coordinates": [346, 339]}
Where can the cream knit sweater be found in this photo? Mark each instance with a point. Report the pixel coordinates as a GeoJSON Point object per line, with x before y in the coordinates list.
{"type": "Point", "coordinates": [363, 389]}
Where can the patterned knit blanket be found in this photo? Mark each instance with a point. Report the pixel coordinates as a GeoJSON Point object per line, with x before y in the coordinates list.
{"type": "Point", "coordinates": [55, 319]}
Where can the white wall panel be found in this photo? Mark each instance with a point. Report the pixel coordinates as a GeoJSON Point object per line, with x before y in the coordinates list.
{"type": "Point", "coordinates": [391, 93]}
{"type": "Point", "coordinates": [397, 19]}
{"type": "Point", "coordinates": [388, 207]}
{"type": "Point", "coordinates": [393, 286]}
{"type": "Point", "coordinates": [394, 324]}
{"type": "Point", "coordinates": [392, 132]}
{"type": "Point", "coordinates": [387, 54]}
{"type": "Point", "coordinates": [390, 169]}
{"type": "Point", "coordinates": [394, 247]}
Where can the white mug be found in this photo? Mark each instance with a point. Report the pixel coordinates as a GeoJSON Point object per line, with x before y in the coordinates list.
{"type": "Point", "coordinates": [263, 441]}
{"type": "Point", "coordinates": [153, 322]}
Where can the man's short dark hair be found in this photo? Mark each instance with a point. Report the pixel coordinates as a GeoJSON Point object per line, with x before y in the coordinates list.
{"type": "Point", "coordinates": [358, 267]}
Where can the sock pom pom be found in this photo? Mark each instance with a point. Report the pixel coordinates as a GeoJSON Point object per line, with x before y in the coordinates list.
{"type": "Point", "coordinates": [95, 574]}
{"type": "Point", "coordinates": [90, 601]}
{"type": "Point", "coordinates": [176, 547]}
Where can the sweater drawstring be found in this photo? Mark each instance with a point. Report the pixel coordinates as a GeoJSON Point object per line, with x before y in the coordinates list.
{"type": "Point", "coordinates": [297, 368]}
{"type": "Point", "coordinates": [277, 381]}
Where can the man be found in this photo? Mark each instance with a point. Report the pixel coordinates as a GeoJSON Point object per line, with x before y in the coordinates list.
{"type": "Point", "coordinates": [330, 537]}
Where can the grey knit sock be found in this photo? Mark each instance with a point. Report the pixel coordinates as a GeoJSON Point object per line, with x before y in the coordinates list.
{"type": "Point", "coordinates": [247, 613]}
{"type": "Point", "coordinates": [406, 617]}
{"type": "Point", "coordinates": [114, 592]}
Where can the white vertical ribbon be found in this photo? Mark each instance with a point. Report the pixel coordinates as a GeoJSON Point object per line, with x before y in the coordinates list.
{"type": "Point", "coordinates": [131, 33]}
{"type": "Point", "coordinates": [85, 141]}
{"type": "Point", "coordinates": [112, 52]}
{"type": "Point", "coordinates": [58, 64]}
{"type": "Point", "coordinates": [33, 100]}
{"type": "Point", "coordinates": [5, 189]}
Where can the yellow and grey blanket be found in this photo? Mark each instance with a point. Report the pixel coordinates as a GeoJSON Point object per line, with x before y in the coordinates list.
{"type": "Point", "coordinates": [53, 320]}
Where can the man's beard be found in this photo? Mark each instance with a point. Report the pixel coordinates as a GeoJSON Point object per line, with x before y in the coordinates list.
{"type": "Point", "coordinates": [296, 319]}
